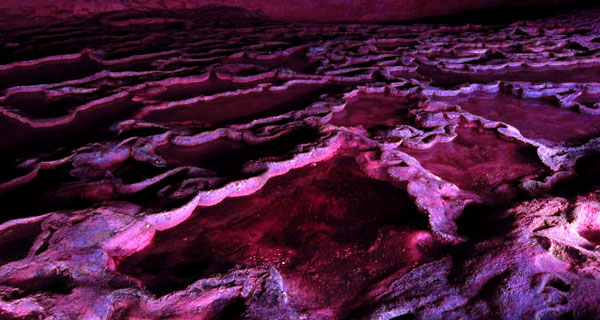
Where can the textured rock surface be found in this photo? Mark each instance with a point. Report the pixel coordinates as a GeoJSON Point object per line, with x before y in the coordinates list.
{"type": "Point", "coordinates": [185, 165]}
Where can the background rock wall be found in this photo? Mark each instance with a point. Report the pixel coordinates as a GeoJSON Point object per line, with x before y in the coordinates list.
{"type": "Point", "coordinates": [13, 12]}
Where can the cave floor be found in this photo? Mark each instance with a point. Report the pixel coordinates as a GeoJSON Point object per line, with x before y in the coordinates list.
{"type": "Point", "coordinates": [216, 165]}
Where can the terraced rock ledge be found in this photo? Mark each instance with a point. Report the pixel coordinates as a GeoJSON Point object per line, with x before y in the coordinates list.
{"type": "Point", "coordinates": [219, 165]}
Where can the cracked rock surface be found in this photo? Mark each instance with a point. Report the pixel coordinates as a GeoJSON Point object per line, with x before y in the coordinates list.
{"type": "Point", "coordinates": [219, 165]}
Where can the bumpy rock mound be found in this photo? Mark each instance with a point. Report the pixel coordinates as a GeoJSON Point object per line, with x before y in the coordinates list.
{"type": "Point", "coordinates": [167, 166]}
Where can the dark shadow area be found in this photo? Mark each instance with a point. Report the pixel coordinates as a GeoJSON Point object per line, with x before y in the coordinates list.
{"type": "Point", "coordinates": [27, 200]}
{"type": "Point", "coordinates": [507, 15]}
{"type": "Point", "coordinates": [480, 222]}
{"type": "Point", "coordinates": [16, 241]}
{"type": "Point", "coordinates": [587, 178]}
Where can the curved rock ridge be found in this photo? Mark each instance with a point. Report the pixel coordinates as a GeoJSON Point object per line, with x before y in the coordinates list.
{"type": "Point", "coordinates": [162, 165]}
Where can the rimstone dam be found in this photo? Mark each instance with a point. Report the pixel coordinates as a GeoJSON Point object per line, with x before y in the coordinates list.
{"type": "Point", "coordinates": [299, 160]}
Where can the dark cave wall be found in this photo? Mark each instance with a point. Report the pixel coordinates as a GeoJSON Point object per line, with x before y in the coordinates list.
{"type": "Point", "coordinates": [12, 12]}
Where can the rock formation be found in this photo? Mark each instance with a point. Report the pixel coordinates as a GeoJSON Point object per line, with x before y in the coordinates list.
{"type": "Point", "coordinates": [214, 164]}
